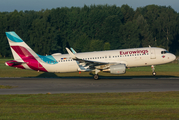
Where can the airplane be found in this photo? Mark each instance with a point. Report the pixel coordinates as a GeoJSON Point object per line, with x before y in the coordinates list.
{"type": "Point", "coordinates": [113, 61]}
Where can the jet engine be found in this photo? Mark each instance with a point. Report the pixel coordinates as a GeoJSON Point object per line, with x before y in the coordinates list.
{"type": "Point", "coordinates": [118, 69]}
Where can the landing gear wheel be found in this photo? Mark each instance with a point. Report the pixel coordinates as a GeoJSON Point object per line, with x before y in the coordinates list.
{"type": "Point", "coordinates": [96, 77]}
{"type": "Point", "coordinates": [154, 73]}
{"type": "Point", "coordinates": [153, 70]}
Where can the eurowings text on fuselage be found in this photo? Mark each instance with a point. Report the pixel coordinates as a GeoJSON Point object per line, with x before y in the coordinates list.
{"type": "Point", "coordinates": [114, 61]}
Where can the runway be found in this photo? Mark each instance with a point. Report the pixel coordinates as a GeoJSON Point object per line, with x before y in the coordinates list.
{"type": "Point", "coordinates": [88, 85]}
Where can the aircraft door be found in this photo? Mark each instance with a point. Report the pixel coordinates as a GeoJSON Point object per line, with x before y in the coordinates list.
{"type": "Point", "coordinates": [152, 53]}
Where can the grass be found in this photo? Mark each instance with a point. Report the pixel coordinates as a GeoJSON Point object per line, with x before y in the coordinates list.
{"type": "Point", "coordinates": [6, 87]}
{"type": "Point", "coordinates": [144, 105]}
{"type": "Point", "coordinates": [166, 70]}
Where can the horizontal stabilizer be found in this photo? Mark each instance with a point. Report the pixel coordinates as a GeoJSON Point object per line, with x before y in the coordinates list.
{"type": "Point", "coordinates": [18, 63]}
{"type": "Point", "coordinates": [14, 62]}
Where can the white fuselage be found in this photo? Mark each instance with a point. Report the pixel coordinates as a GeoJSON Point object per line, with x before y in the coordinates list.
{"type": "Point", "coordinates": [131, 57]}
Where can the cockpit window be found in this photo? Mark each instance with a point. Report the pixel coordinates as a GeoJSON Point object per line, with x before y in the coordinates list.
{"type": "Point", "coordinates": [164, 52]}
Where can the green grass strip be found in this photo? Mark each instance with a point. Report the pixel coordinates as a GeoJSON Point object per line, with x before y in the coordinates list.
{"type": "Point", "coordinates": [104, 106]}
{"type": "Point", "coordinates": [6, 87]}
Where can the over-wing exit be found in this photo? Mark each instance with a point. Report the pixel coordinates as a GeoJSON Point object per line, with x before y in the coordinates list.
{"type": "Point", "coordinates": [113, 61]}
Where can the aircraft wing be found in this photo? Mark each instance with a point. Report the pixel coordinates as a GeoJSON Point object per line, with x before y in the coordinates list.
{"type": "Point", "coordinates": [91, 64]}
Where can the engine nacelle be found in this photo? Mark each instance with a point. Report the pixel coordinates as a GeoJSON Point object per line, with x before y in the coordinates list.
{"type": "Point", "coordinates": [118, 69]}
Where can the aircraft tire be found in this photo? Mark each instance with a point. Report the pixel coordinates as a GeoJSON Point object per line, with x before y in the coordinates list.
{"type": "Point", "coordinates": [96, 77]}
{"type": "Point", "coordinates": [154, 73]}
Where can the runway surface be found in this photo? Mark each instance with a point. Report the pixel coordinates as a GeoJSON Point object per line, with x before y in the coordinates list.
{"type": "Point", "coordinates": [87, 85]}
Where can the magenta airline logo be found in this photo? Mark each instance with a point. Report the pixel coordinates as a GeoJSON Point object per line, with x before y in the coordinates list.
{"type": "Point", "coordinates": [163, 56]}
{"type": "Point", "coordinates": [28, 58]}
{"type": "Point", "coordinates": [133, 52]}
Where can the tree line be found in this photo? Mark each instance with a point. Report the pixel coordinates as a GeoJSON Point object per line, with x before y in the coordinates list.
{"type": "Point", "coordinates": [92, 28]}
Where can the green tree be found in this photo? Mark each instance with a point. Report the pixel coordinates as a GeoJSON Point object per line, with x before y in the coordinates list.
{"type": "Point", "coordinates": [166, 25]}
{"type": "Point", "coordinates": [145, 35]}
{"type": "Point", "coordinates": [127, 12]}
{"type": "Point", "coordinates": [107, 46]}
{"type": "Point", "coordinates": [92, 28]}
{"type": "Point", "coordinates": [130, 35]}
{"type": "Point", "coordinates": [82, 43]}
{"type": "Point", "coordinates": [96, 45]}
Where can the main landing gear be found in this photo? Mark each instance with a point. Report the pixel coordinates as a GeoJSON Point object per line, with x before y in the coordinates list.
{"type": "Point", "coordinates": [153, 70]}
{"type": "Point", "coordinates": [96, 77]}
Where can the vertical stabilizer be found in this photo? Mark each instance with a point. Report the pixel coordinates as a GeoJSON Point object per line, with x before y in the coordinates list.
{"type": "Point", "coordinates": [18, 47]}
{"type": "Point", "coordinates": [24, 56]}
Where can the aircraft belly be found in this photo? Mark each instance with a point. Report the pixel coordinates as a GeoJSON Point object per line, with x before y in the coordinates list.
{"type": "Point", "coordinates": [137, 61]}
{"type": "Point", "coordinates": [62, 67]}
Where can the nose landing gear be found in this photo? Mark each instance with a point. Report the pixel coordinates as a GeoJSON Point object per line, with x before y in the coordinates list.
{"type": "Point", "coordinates": [153, 70]}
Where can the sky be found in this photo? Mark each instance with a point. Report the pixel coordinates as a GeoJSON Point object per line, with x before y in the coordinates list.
{"type": "Point", "coordinates": [37, 5]}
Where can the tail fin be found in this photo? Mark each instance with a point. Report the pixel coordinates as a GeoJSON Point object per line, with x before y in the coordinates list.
{"type": "Point", "coordinates": [19, 48]}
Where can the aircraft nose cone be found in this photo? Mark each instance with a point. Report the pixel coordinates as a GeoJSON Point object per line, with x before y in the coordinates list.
{"type": "Point", "coordinates": [173, 57]}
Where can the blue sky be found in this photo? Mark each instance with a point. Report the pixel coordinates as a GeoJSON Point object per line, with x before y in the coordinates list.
{"type": "Point", "coordinates": [11, 5]}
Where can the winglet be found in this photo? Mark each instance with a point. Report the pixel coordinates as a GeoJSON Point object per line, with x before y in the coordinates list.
{"type": "Point", "coordinates": [73, 50]}
{"type": "Point", "coordinates": [71, 54]}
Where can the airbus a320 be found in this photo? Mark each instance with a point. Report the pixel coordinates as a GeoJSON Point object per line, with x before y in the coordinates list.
{"type": "Point", "coordinates": [113, 61]}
